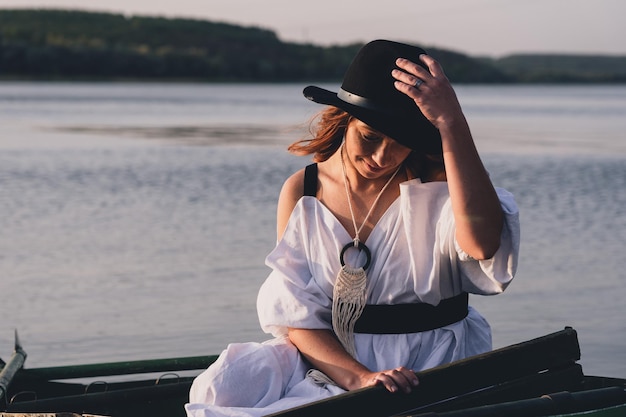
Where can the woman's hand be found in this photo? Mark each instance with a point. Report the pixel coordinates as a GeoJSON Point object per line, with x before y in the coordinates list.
{"type": "Point", "coordinates": [430, 89]}
{"type": "Point", "coordinates": [394, 380]}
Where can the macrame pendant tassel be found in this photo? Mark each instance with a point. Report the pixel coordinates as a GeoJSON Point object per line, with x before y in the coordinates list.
{"type": "Point", "coordinates": [349, 297]}
{"type": "Point", "coordinates": [349, 294]}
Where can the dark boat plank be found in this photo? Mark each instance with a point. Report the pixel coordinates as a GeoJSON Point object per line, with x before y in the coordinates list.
{"type": "Point", "coordinates": [547, 405]}
{"type": "Point", "coordinates": [157, 400]}
{"type": "Point", "coordinates": [553, 351]}
{"type": "Point", "coordinates": [570, 378]}
{"type": "Point", "coordinates": [117, 368]}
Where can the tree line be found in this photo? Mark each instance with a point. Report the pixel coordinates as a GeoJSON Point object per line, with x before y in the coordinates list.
{"type": "Point", "coordinates": [79, 45]}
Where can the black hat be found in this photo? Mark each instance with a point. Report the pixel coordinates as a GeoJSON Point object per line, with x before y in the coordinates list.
{"type": "Point", "coordinates": [368, 93]}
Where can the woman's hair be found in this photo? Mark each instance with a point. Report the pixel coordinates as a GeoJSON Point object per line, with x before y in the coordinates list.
{"type": "Point", "coordinates": [327, 130]}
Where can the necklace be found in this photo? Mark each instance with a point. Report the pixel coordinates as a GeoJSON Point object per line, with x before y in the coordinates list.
{"type": "Point", "coordinates": [356, 241]}
{"type": "Point", "coordinates": [350, 288]}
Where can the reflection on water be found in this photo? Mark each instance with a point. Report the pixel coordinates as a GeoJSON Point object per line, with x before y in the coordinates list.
{"type": "Point", "coordinates": [196, 135]}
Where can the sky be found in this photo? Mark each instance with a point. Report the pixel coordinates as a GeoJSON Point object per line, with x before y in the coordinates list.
{"type": "Point", "coordinates": [476, 27]}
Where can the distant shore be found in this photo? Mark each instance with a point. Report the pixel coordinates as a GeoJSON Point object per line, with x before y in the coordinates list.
{"type": "Point", "coordinates": [70, 45]}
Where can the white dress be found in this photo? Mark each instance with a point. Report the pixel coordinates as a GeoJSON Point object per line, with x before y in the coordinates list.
{"type": "Point", "coordinates": [415, 258]}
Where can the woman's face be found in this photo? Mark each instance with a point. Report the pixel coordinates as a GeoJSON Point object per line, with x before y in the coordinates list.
{"type": "Point", "coordinates": [373, 154]}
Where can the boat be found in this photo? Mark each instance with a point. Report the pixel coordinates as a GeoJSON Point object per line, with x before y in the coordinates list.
{"type": "Point", "coordinates": [538, 377]}
{"type": "Point", "coordinates": [155, 387]}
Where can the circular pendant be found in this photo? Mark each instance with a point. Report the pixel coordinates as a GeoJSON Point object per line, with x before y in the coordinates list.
{"type": "Point", "coordinates": [361, 246]}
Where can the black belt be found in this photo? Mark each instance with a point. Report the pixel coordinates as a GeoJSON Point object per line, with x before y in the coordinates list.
{"type": "Point", "coordinates": [411, 318]}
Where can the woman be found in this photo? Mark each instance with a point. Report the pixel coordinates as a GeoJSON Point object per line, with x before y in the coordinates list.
{"type": "Point", "coordinates": [379, 243]}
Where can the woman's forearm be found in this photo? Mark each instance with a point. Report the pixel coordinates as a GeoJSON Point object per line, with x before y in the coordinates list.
{"type": "Point", "coordinates": [322, 349]}
{"type": "Point", "coordinates": [477, 210]}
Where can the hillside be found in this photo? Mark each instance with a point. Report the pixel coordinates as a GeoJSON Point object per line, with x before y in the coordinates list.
{"type": "Point", "coordinates": [563, 68]}
{"type": "Point", "coordinates": [57, 44]}
{"type": "Point", "coordinates": [77, 45]}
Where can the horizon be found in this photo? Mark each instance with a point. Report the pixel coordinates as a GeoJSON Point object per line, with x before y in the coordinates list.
{"type": "Point", "coordinates": [480, 28]}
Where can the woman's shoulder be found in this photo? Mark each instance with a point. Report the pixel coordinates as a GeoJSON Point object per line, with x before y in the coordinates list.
{"type": "Point", "coordinates": [290, 193]}
{"type": "Point", "coordinates": [293, 187]}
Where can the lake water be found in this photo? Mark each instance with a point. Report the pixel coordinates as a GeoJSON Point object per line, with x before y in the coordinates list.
{"type": "Point", "coordinates": [135, 218]}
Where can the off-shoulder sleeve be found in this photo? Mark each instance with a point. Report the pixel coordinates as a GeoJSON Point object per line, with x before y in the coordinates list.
{"type": "Point", "coordinates": [441, 268]}
{"type": "Point", "coordinates": [290, 297]}
{"type": "Point", "coordinates": [492, 276]}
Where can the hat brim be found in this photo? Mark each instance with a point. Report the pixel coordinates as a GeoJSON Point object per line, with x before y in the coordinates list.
{"type": "Point", "coordinates": [413, 131]}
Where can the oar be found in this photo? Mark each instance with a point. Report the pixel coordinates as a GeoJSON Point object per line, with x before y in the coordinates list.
{"type": "Point", "coordinates": [11, 367]}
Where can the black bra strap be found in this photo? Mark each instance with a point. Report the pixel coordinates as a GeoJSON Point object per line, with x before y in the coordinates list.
{"type": "Point", "coordinates": [310, 180]}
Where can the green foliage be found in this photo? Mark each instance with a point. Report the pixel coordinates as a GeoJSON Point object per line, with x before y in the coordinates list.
{"type": "Point", "coordinates": [563, 68]}
{"type": "Point", "coordinates": [461, 68]}
{"type": "Point", "coordinates": [65, 44]}
{"type": "Point", "coordinates": [72, 44]}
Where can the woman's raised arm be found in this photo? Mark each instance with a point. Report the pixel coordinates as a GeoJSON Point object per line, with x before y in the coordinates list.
{"type": "Point", "coordinates": [477, 211]}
